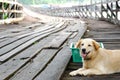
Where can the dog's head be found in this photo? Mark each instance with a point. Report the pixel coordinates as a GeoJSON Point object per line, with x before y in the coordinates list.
{"type": "Point", "coordinates": [88, 48]}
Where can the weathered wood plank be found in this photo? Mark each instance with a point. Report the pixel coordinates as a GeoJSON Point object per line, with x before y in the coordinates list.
{"type": "Point", "coordinates": [107, 39]}
{"type": "Point", "coordinates": [23, 64]}
{"type": "Point", "coordinates": [32, 26]}
{"type": "Point", "coordinates": [108, 32]}
{"type": "Point", "coordinates": [58, 41]}
{"type": "Point", "coordinates": [46, 27]}
{"type": "Point", "coordinates": [21, 47]}
{"type": "Point", "coordinates": [81, 30]}
{"type": "Point", "coordinates": [73, 35]}
{"type": "Point", "coordinates": [14, 64]}
{"type": "Point", "coordinates": [18, 43]}
{"type": "Point", "coordinates": [8, 55]}
{"type": "Point", "coordinates": [56, 67]}
{"type": "Point", "coordinates": [2, 40]}
{"type": "Point", "coordinates": [33, 68]}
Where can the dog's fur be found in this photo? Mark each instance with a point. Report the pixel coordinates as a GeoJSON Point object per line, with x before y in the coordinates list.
{"type": "Point", "coordinates": [96, 60]}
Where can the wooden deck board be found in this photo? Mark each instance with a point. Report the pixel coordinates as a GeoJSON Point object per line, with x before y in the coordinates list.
{"type": "Point", "coordinates": [15, 44]}
{"type": "Point", "coordinates": [29, 71]}
{"type": "Point", "coordinates": [55, 69]}
{"type": "Point", "coordinates": [35, 32]}
{"type": "Point", "coordinates": [29, 58]}
{"type": "Point", "coordinates": [58, 41]}
{"type": "Point", "coordinates": [15, 63]}
{"type": "Point", "coordinates": [5, 56]}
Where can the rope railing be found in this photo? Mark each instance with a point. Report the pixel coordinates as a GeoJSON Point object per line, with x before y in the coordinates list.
{"type": "Point", "coordinates": [10, 12]}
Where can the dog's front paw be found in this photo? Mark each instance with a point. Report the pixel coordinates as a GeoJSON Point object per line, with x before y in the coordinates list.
{"type": "Point", "coordinates": [83, 73]}
{"type": "Point", "coordinates": [73, 73]}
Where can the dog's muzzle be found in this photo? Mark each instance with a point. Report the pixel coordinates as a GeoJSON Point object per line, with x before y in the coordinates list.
{"type": "Point", "coordinates": [84, 53]}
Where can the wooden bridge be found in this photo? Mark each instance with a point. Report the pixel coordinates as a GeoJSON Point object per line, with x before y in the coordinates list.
{"type": "Point", "coordinates": [109, 11]}
{"type": "Point", "coordinates": [40, 51]}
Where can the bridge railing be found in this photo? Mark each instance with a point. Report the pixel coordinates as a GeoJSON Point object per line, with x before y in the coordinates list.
{"type": "Point", "coordinates": [10, 12]}
{"type": "Point", "coordinates": [109, 11]}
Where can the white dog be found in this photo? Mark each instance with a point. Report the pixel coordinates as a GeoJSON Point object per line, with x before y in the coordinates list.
{"type": "Point", "coordinates": [96, 60]}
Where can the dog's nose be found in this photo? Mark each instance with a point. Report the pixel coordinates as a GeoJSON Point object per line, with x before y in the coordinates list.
{"type": "Point", "coordinates": [84, 50]}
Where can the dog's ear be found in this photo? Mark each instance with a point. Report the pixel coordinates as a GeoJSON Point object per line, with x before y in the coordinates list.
{"type": "Point", "coordinates": [96, 45]}
{"type": "Point", "coordinates": [78, 44]}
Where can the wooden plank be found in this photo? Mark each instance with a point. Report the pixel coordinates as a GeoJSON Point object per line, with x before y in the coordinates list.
{"type": "Point", "coordinates": [22, 29]}
{"type": "Point", "coordinates": [47, 27]}
{"type": "Point", "coordinates": [58, 41]}
{"type": "Point", "coordinates": [24, 35]}
{"type": "Point", "coordinates": [107, 39]}
{"type": "Point", "coordinates": [32, 25]}
{"type": "Point", "coordinates": [16, 44]}
{"type": "Point", "coordinates": [10, 54]}
{"type": "Point", "coordinates": [2, 40]}
{"type": "Point", "coordinates": [111, 32]}
{"type": "Point", "coordinates": [3, 36]}
{"type": "Point", "coordinates": [54, 70]}
{"type": "Point", "coordinates": [17, 62]}
{"type": "Point", "coordinates": [81, 30]}
{"type": "Point", "coordinates": [73, 35]}
{"type": "Point", "coordinates": [29, 71]}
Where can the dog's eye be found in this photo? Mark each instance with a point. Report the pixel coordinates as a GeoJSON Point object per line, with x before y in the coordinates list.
{"type": "Point", "coordinates": [82, 44]}
{"type": "Point", "coordinates": [89, 45]}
